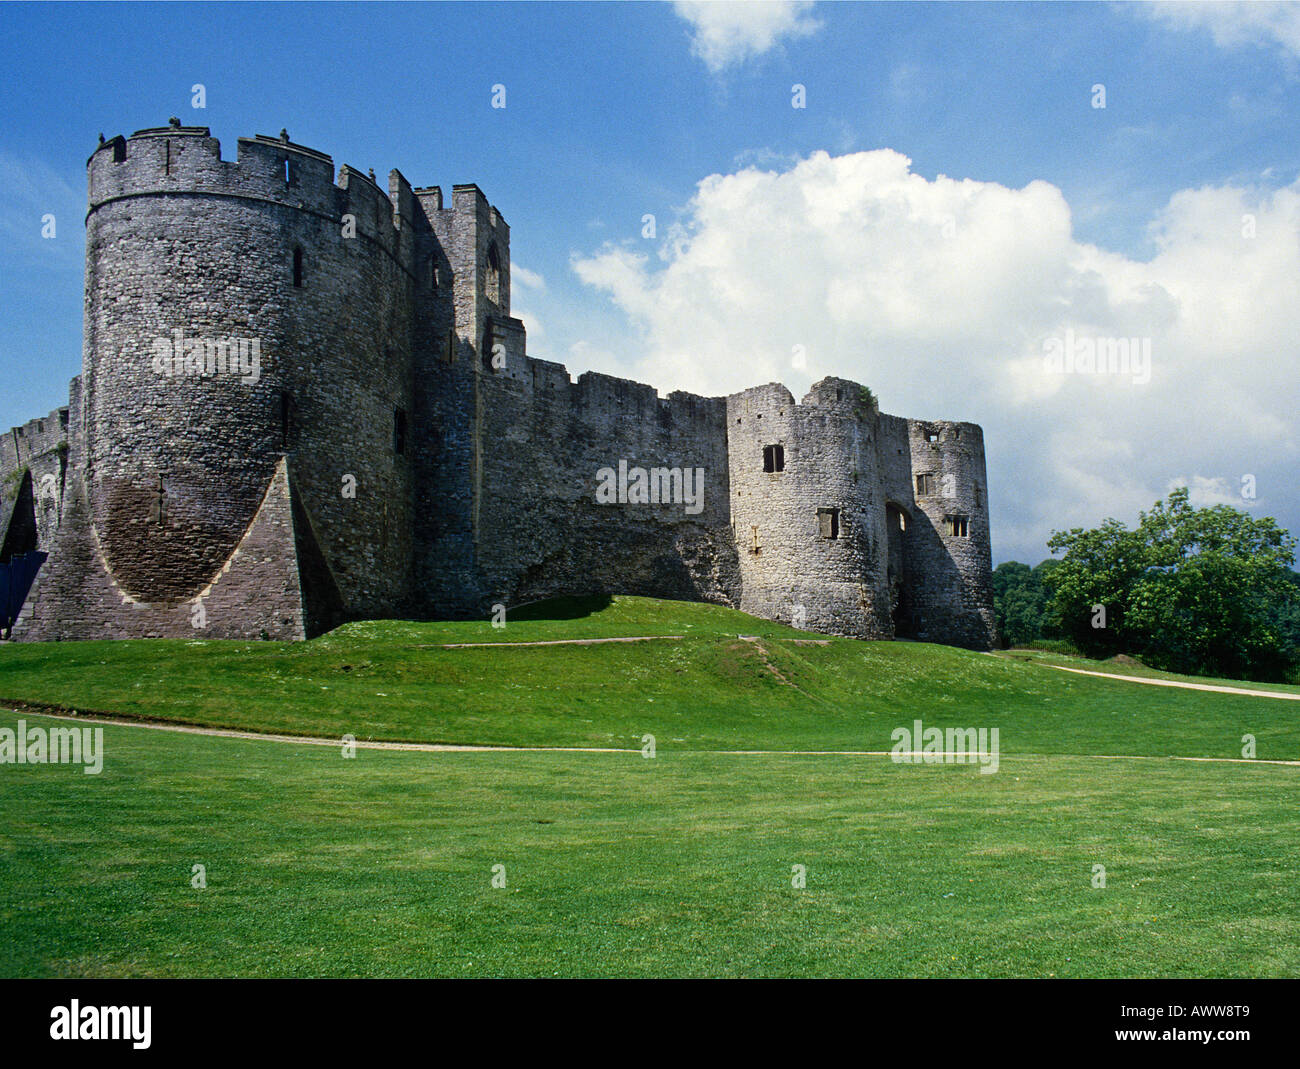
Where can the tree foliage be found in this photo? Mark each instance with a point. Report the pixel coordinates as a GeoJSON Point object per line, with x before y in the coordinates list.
{"type": "Point", "coordinates": [1205, 591]}
{"type": "Point", "coordinates": [1020, 597]}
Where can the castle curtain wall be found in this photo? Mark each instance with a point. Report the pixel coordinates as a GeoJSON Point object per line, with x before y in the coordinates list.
{"type": "Point", "coordinates": [395, 451]}
{"type": "Point", "coordinates": [541, 530]}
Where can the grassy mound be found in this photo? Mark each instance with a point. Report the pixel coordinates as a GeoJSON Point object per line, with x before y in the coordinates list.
{"type": "Point", "coordinates": [729, 682]}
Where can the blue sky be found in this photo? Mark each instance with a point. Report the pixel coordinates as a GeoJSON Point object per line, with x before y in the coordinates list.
{"type": "Point", "coordinates": [618, 110]}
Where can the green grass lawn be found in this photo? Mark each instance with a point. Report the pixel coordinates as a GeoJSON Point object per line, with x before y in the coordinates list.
{"type": "Point", "coordinates": [619, 865]}
{"type": "Point", "coordinates": [709, 690]}
{"type": "Point", "coordinates": [625, 866]}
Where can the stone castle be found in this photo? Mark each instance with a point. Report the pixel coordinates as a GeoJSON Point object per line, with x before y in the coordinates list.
{"type": "Point", "coordinates": [304, 400]}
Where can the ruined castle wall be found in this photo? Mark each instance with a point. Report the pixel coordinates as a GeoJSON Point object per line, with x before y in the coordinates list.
{"type": "Point", "coordinates": [470, 314]}
{"type": "Point", "coordinates": [179, 239]}
{"type": "Point", "coordinates": [793, 566]}
{"type": "Point", "coordinates": [540, 531]}
{"type": "Point", "coordinates": [395, 451]}
{"type": "Point", "coordinates": [38, 451]}
{"type": "Point", "coordinates": [948, 594]}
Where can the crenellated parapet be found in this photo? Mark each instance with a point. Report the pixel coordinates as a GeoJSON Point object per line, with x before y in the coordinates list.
{"type": "Point", "coordinates": [187, 161]}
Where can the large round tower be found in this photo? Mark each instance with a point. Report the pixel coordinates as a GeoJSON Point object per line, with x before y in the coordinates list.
{"type": "Point", "coordinates": [239, 314]}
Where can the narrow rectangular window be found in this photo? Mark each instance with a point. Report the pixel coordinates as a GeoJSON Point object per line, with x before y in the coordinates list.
{"type": "Point", "coordinates": [449, 351]}
{"type": "Point", "coordinates": [931, 436]}
{"type": "Point", "coordinates": [924, 484]}
{"type": "Point", "coordinates": [399, 431]}
{"type": "Point", "coordinates": [158, 507]}
{"type": "Point", "coordinates": [828, 522]}
{"type": "Point", "coordinates": [957, 526]}
{"type": "Point", "coordinates": [297, 266]}
{"type": "Point", "coordinates": [773, 458]}
{"type": "Point", "coordinates": [754, 546]}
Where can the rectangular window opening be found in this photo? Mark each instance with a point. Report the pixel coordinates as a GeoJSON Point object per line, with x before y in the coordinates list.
{"type": "Point", "coordinates": [399, 431]}
{"type": "Point", "coordinates": [924, 484]}
{"type": "Point", "coordinates": [957, 526]}
{"type": "Point", "coordinates": [286, 418]}
{"type": "Point", "coordinates": [828, 521]}
{"type": "Point", "coordinates": [773, 458]}
{"type": "Point", "coordinates": [158, 507]}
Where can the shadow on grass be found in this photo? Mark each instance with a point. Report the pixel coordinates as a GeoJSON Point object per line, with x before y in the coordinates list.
{"type": "Point", "coordinates": [562, 608]}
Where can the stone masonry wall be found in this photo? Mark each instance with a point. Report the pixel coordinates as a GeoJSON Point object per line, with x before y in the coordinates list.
{"type": "Point", "coordinates": [541, 532]}
{"type": "Point", "coordinates": [948, 589]}
{"type": "Point", "coordinates": [397, 452]}
{"type": "Point", "coordinates": [36, 454]}
{"type": "Point", "coordinates": [259, 250]}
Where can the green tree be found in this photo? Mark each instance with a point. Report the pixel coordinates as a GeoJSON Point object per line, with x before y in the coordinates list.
{"type": "Point", "coordinates": [1202, 591]}
{"type": "Point", "coordinates": [1020, 600]}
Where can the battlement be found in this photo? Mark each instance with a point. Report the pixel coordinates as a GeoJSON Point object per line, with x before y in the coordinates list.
{"type": "Point", "coordinates": [19, 446]}
{"type": "Point", "coordinates": [467, 198]}
{"type": "Point", "coordinates": [178, 160]}
{"type": "Point", "coordinates": [549, 383]}
{"type": "Point", "coordinates": [830, 396]}
{"type": "Point", "coordinates": [944, 435]}
{"type": "Point", "coordinates": [430, 197]}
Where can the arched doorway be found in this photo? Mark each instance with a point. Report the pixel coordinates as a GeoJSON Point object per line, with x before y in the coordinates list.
{"type": "Point", "coordinates": [897, 522]}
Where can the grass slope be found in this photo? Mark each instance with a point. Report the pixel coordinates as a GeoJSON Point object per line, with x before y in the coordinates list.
{"type": "Point", "coordinates": [708, 690]}
{"type": "Point", "coordinates": [1127, 666]}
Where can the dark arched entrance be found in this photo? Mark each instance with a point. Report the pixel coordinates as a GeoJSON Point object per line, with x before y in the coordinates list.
{"type": "Point", "coordinates": [897, 522]}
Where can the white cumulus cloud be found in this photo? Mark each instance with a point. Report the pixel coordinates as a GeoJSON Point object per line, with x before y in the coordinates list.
{"type": "Point", "coordinates": [1234, 23]}
{"type": "Point", "coordinates": [1207, 491]}
{"type": "Point", "coordinates": [728, 32]}
{"type": "Point", "coordinates": [945, 296]}
{"type": "Point", "coordinates": [520, 275]}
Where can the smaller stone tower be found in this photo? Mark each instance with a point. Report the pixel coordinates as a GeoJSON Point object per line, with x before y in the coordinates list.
{"type": "Point", "coordinates": [806, 507]}
{"type": "Point", "coordinates": [940, 558]}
